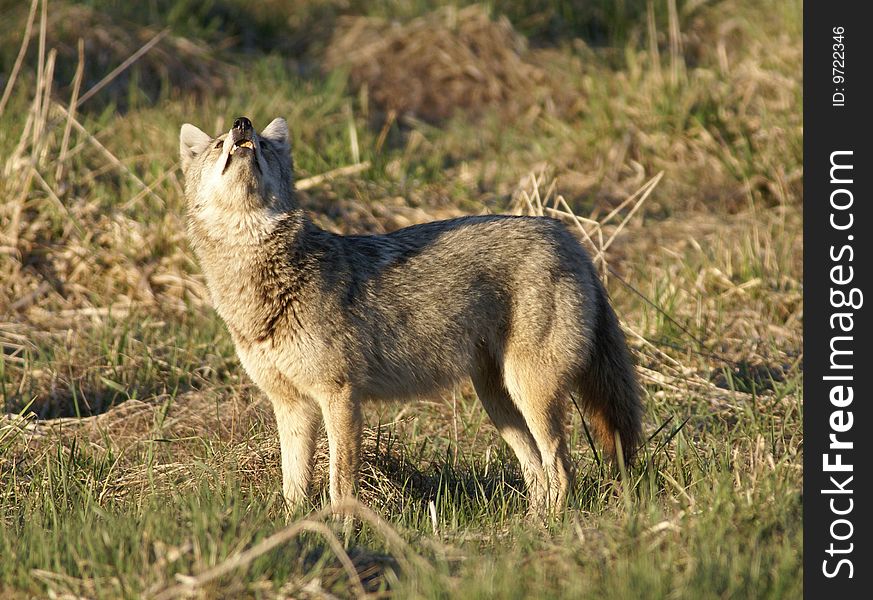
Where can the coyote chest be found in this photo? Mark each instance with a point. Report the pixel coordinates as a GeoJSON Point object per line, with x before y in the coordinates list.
{"type": "Point", "coordinates": [274, 340]}
{"type": "Point", "coordinates": [289, 360]}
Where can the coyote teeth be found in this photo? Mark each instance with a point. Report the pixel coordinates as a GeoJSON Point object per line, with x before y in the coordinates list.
{"type": "Point", "coordinates": [244, 144]}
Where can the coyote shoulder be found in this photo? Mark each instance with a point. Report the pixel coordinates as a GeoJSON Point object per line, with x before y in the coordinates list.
{"type": "Point", "coordinates": [324, 322]}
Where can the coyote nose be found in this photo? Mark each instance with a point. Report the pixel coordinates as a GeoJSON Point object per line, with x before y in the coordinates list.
{"type": "Point", "coordinates": [243, 124]}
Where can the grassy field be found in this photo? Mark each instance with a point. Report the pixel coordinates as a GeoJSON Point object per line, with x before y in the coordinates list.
{"type": "Point", "coordinates": [136, 458]}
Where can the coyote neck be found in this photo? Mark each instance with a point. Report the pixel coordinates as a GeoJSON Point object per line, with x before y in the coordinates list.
{"type": "Point", "coordinates": [256, 288]}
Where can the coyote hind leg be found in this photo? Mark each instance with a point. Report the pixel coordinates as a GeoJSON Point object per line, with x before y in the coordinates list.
{"type": "Point", "coordinates": [543, 407]}
{"type": "Point", "coordinates": [511, 425]}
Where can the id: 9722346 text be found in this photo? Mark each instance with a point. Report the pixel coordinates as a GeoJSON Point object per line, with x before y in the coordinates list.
{"type": "Point", "coordinates": [838, 70]}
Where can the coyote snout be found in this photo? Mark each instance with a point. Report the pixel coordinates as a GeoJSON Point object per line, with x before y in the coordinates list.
{"type": "Point", "coordinates": [241, 136]}
{"type": "Point", "coordinates": [323, 323]}
{"type": "Point", "coordinates": [243, 126]}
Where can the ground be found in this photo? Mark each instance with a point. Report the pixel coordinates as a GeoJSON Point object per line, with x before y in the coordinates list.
{"type": "Point", "coordinates": [136, 458]}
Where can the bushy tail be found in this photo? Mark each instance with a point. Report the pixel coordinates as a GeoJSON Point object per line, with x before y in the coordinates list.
{"type": "Point", "coordinates": [610, 391]}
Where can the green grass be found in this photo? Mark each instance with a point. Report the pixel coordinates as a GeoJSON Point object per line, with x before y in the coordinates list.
{"type": "Point", "coordinates": [715, 515]}
{"type": "Point", "coordinates": [145, 453]}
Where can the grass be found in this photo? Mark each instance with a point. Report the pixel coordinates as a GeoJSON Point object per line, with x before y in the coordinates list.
{"type": "Point", "coordinates": [135, 453]}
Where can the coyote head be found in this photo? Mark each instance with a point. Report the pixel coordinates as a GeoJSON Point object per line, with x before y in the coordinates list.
{"type": "Point", "coordinates": [238, 183]}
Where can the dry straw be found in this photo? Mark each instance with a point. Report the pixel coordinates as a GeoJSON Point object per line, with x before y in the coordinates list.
{"type": "Point", "coordinates": [446, 61]}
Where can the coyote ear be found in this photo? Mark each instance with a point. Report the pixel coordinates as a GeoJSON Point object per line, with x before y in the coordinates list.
{"type": "Point", "coordinates": [192, 142]}
{"type": "Point", "coordinates": [276, 131]}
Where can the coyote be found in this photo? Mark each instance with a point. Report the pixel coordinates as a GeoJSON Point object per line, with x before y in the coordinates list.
{"type": "Point", "coordinates": [324, 322]}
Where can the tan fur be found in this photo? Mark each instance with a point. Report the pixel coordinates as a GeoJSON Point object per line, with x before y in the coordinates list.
{"type": "Point", "coordinates": [323, 323]}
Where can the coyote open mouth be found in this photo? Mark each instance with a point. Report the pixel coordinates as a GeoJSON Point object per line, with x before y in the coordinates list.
{"type": "Point", "coordinates": [241, 144]}
{"type": "Point", "coordinates": [244, 144]}
{"type": "Point", "coordinates": [243, 138]}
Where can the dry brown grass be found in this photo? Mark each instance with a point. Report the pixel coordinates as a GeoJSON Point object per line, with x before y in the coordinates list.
{"type": "Point", "coordinates": [176, 66]}
{"type": "Point", "coordinates": [449, 61]}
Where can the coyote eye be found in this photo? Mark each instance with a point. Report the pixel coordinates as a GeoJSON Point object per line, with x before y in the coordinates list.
{"type": "Point", "coordinates": [218, 144]}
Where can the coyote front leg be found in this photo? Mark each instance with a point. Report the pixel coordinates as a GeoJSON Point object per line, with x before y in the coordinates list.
{"type": "Point", "coordinates": [343, 423]}
{"type": "Point", "coordinates": [297, 418]}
